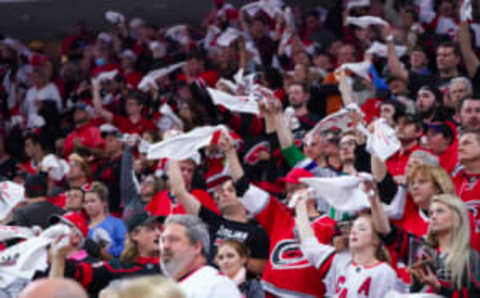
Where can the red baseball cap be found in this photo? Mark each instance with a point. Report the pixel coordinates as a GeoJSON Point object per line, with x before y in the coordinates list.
{"type": "Point", "coordinates": [73, 219]}
{"type": "Point", "coordinates": [295, 174]}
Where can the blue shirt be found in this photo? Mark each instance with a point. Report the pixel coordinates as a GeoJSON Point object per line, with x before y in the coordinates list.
{"type": "Point", "coordinates": [117, 231]}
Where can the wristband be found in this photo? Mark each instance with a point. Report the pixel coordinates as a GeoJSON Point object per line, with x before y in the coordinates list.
{"type": "Point", "coordinates": [241, 186]}
{"type": "Point", "coordinates": [389, 37]}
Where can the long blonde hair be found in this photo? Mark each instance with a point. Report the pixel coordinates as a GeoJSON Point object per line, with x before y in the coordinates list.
{"type": "Point", "coordinates": [458, 258]}
{"type": "Point", "coordinates": [130, 250]}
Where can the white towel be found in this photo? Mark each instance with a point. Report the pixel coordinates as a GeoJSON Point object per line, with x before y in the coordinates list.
{"type": "Point", "coordinates": [10, 195]}
{"type": "Point", "coordinates": [344, 193]}
{"type": "Point", "coordinates": [184, 146]}
{"type": "Point", "coordinates": [366, 21]}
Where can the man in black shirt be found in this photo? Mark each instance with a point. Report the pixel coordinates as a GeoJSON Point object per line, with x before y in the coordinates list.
{"type": "Point", "coordinates": [233, 224]}
{"type": "Point", "coordinates": [38, 210]}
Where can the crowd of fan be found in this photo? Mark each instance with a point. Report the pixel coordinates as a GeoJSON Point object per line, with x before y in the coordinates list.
{"type": "Point", "coordinates": [76, 131]}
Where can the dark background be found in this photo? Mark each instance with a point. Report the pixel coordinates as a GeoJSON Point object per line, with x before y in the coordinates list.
{"type": "Point", "coordinates": [53, 19]}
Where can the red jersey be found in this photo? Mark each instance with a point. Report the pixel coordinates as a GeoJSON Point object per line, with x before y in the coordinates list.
{"type": "Point", "coordinates": [206, 79]}
{"type": "Point", "coordinates": [397, 162]}
{"type": "Point", "coordinates": [88, 135]}
{"type": "Point", "coordinates": [449, 158]}
{"type": "Point", "coordinates": [288, 270]}
{"type": "Point", "coordinates": [164, 203]}
{"type": "Point", "coordinates": [125, 125]}
{"type": "Point", "coordinates": [414, 220]}
{"type": "Point", "coordinates": [468, 189]}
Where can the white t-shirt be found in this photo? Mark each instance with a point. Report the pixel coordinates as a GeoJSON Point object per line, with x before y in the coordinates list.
{"type": "Point", "coordinates": [207, 282]}
{"type": "Point", "coordinates": [48, 92]}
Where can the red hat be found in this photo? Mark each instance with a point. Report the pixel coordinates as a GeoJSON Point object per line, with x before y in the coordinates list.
{"type": "Point", "coordinates": [73, 219]}
{"type": "Point", "coordinates": [295, 174]}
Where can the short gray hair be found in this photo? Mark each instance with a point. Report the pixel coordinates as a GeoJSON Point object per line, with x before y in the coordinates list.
{"type": "Point", "coordinates": [195, 228]}
{"type": "Point", "coordinates": [464, 80]}
{"type": "Point", "coordinates": [427, 158]}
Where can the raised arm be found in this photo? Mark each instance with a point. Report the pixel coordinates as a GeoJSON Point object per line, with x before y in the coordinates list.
{"type": "Point", "coordinates": [469, 57]}
{"type": "Point", "coordinates": [97, 102]}
{"type": "Point", "coordinates": [315, 252]}
{"type": "Point", "coordinates": [227, 145]}
{"type": "Point", "coordinates": [128, 188]}
{"type": "Point", "coordinates": [394, 64]}
{"type": "Point", "coordinates": [379, 216]}
{"type": "Point", "coordinates": [177, 187]}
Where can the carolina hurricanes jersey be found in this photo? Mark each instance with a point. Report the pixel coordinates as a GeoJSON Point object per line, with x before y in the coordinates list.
{"type": "Point", "coordinates": [414, 220]}
{"type": "Point", "coordinates": [345, 279]}
{"type": "Point", "coordinates": [468, 189]}
{"type": "Point", "coordinates": [288, 273]}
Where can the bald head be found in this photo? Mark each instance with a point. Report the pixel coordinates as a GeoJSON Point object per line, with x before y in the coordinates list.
{"type": "Point", "coordinates": [54, 288]}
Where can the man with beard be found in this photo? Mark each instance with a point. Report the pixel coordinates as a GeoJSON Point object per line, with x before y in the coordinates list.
{"type": "Point", "coordinates": [232, 224]}
{"type": "Point", "coordinates": [184, 247]}
{"type": "Point", "coordinates": [468, 112]}
{"type": "Point", "coordinates": [427, 102]}
{"type": "Point", "coordinates": [298, 97]}
{"type": "Point", "coordinates": [408, 130]}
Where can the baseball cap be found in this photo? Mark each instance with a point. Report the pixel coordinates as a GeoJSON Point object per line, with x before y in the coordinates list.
{"type": "Point", "coordinates": [72, 219]}
{"type": "Point", "coordinates": [109, 129]}
{"type": "Point", "coordinates": [445, 128]}
{"type": "Point", "coordinates": [36, 186]}
{"type": "Point", "coordinates": [141, 219]}
{"type": "Point", "coordinates": [82, 106]}
{"type": "Point", "coordinates": [295, 175]}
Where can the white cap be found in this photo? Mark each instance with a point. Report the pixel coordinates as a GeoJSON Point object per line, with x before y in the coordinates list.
{"type": "Point", "coordinates": [128, 54]}
{"type": "Point", "coordinates": [136, 22]}
{"type": "Point", "coordinates": [105, 37]}
{"type": "Point", "coordinates": [357, 3]}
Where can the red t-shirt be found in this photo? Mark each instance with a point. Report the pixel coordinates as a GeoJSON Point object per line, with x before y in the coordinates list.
{"type": "Point", "coordinates": [125, 125]}
{"type": "Point", "coordinates": [163, 203]}
{"type": "Point", "coordinates": [88, 135]}
{"type": "Point", "coordinates": [414, 220]}
{"type": "Point", "coordinates": [449, 158]}
{"type": "Point", "coordinates": [397, 162]}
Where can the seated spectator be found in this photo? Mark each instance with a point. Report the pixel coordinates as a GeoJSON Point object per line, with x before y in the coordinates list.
{"type": "Point", "coordinates": [37, 210]}
{"type": "Point", "coordinates": [140, 257]}
{"type": "Point", "coordinates": [184, 248]}
{"type": "Point", "coordinates": [143, 287]}
{"type": "Point", "coordinates": [449, 234]}
{"type": "Point", "coordinates": [108, 231]}
{"type": "Point", "coordinates": [231, 258]}
{"type": "Point", "coordinates": [50, 288]}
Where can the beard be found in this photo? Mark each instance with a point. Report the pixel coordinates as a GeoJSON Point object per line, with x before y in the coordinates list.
{"type": "Point", "coordinates": [176, 264]}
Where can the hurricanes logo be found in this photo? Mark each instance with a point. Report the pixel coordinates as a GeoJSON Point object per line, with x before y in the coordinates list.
{"type": "Point", "coordinates": [287, 255]}
{"type": "Point", "coordinates": [474, 207]}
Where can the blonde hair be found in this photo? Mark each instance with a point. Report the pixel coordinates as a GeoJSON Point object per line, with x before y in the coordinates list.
{"type": "Point", "coordinates": [438, 175]}
{"type": "Point", "coordinates": [154, 286]}
{"type": "Point", "coordinates": [130, 250]}
{"type": "Point", "coordinates": [458, 258]}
